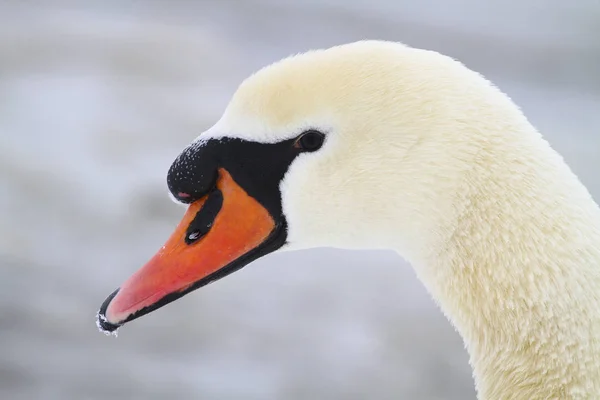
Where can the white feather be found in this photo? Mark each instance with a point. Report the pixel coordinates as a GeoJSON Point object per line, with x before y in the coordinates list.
{"type": "Point", "coordinates": [426, 157]}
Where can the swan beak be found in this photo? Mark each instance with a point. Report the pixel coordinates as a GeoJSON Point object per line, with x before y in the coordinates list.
{"type": "Point", "coordinates": [218, 234]}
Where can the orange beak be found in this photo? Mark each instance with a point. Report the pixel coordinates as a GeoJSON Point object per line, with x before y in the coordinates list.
{"type": "Point", "coordinates": [218, 234]}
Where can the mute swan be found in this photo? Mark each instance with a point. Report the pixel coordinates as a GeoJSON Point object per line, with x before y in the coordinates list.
{"type": "Point", "coordinates": [374, 145]}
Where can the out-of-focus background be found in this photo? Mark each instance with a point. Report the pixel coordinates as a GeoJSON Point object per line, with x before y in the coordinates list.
{"type": "Point", "coordinates": [97, 99]}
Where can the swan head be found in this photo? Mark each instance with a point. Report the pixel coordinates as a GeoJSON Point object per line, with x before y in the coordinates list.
{"type": "Point", "coordinates": [358, 146]}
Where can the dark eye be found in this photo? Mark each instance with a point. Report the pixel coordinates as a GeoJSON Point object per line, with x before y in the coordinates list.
{"type": "Point", "coordinates": [310, 141]}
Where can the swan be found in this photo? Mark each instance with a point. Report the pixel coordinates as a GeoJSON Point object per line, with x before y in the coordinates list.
{"type": "Point", "coordinates": [378, 145]}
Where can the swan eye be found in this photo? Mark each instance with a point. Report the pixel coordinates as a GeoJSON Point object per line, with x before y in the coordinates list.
{"type": "Point", "coordinates": [310, 141]}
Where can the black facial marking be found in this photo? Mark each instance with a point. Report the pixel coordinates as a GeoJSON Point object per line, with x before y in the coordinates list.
{"type": "Point", "coordinates": [188, 182]}
{"type": "Point", "coordinates": [205, 217]}
{"type": "Point", "coordinates": [257, 167]}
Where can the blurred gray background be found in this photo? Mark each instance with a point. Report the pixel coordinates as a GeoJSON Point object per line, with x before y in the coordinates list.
{"type": "Point", "coordinates": [97, 99]}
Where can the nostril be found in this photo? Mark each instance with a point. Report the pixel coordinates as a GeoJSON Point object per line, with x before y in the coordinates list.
{"type": "Point", "coordinates": [205, 217]}
{"type": "Point", "coordinates": [193, 236]}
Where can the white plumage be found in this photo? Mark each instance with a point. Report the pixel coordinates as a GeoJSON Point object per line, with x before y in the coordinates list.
{"type": "Point", "coordinates": [426, 157]}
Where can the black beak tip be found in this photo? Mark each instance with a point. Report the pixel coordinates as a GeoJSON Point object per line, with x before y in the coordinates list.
{"type": "Point", "coordinates": [108, 328]}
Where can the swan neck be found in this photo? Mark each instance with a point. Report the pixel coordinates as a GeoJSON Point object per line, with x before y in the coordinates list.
{"type": "Point", "coordinates": [517, 270]}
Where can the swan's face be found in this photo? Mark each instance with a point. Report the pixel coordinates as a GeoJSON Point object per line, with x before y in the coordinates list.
{"type": "Point", "coordinates": [301, 158]}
